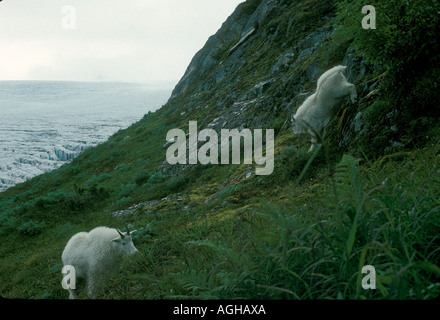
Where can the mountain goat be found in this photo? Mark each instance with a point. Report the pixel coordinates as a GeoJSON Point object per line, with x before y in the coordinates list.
{"type": "Point", "coordinates": [95, 255]}
{"type": "Point", "coordinates": [319, 108]}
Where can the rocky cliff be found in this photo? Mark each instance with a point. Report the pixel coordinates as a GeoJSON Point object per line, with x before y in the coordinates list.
{"type": "Point", "coordinates": [261, 65]}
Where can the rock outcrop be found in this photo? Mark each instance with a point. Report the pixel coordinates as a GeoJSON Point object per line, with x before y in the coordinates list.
{"type": "Point", "coordinates": [242, 97]}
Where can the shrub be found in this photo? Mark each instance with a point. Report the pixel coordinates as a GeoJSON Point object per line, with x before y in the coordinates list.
{"type": "Point", "coordinates": [178, 183]}
{"type": "Point", "coordinates": [142, 177]}
{"type": "Point", "coordinates": [50, 199]}
{"type": "Point", "coordinates": [156, 178]}
{"type": "Point", "coordinates": [82, 198]}
{"type": "Point", "coordinates": [31, 228]}
{"type": "Point", "coordinates": [74, 201]}
{"type": "Point", "coordinates": [115, 154]}
{"type": "Point", "coordinates": [7, 221]}
{"type": "Point", "coordinates": [127, 190]}
{"type": "Point", "coordinates": [97, 179]}
{"type": "Point", "coordinates": [123, 201]}
{"type": "Point", "coordinates": [62, 231]}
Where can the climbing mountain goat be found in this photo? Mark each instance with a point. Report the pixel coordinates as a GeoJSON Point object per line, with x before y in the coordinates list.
{"type": "Point", "coordinates": [319, 108]}
{"type": "Point", "coordinates": [95, 255]}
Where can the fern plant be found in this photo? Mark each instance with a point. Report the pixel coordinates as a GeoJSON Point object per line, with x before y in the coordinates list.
{"type": "Point", "coordinates": [204, 284]}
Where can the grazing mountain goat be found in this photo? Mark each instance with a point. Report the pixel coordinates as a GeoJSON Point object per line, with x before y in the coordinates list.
{"type": "Point", "coordinates": [95, 255]}
{"type": "Point", "coordinates": [318, 109]}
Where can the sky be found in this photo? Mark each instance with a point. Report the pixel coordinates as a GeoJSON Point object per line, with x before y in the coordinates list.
{"type": "Point", "coordinates": [147, 41]}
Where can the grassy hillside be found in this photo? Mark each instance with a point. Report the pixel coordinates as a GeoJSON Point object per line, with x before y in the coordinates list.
{"type": "Point", "coordinates": [369, 196]}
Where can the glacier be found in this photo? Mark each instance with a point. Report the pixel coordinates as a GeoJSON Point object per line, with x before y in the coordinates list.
{"type": "Point", "coordinates": [44, 124]}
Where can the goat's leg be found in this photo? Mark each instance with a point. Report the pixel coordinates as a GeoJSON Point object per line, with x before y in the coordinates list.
{"type": "Point", "coordinates": [93, 285]}
{"type": "Point", "coordinates": [314, 141]}
{"type": "Point", "coordinates": [72, 294]}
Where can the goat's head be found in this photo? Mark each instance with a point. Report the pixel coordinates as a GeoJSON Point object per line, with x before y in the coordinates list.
{"type": "Point", "coordinates": [124, 243]}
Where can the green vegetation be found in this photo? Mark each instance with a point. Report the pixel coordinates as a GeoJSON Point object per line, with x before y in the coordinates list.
{"type": "Point", "coordinates": [219, 231]}
{"type": "Point", "coordinates": [405, 47]}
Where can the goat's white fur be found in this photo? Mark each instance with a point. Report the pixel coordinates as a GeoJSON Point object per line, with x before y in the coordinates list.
{"type": "Point", "coordinates": [319, 108]}
{"type": "Point", "coordinates": [95, 255]}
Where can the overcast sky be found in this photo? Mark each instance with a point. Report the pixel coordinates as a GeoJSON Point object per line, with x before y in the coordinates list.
{"type": "Point", "coordinates": [112, 40]}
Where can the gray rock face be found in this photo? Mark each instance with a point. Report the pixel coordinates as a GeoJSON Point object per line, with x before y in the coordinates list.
{"type": "Point", "coordinates": [283, 63]}
{"type": "Point", "coordinates": [205, 59]}
{"type": "Point", "coordinates": [278, 91]}
{"type": "Point", "coordinates": [235, 31]}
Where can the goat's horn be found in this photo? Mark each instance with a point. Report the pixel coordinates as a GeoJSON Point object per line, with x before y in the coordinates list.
{"type": "Point", "coordinates": [128, 230]}
{"type": "Point", "coordinates": [121, 234]}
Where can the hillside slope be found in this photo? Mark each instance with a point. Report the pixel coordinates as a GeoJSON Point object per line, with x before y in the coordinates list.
{"type": "Point", "coordinates": [370, 195]}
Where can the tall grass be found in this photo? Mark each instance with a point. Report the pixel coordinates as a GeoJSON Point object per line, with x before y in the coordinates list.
{"type": "Point", "coordinates": [366, 216]}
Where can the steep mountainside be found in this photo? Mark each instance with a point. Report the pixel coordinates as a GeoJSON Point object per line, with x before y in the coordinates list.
{"type": "Point", "coordinates": [370, 195]}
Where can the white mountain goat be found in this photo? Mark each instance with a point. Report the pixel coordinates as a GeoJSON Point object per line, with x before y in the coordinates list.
{"type": "Point", "coordinates": [318, 109]}
{"type": "Point", "coordinates": [95, 255]}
